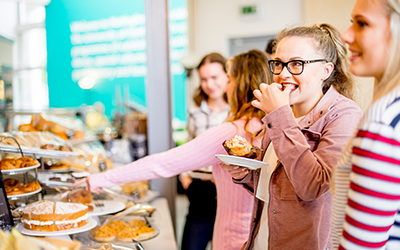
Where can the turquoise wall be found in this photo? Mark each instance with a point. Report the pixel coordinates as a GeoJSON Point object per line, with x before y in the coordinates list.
{"type": "Point", "coordinates": [105, 40]}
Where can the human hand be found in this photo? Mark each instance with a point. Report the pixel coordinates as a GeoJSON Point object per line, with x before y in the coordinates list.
{"type": "Point", "coordinates": [88, 188]}
{"type": "Point", "coordinates": [236, 171]}
{"type": "Point", "coordinates": [186, 181]}
{"type": "Point", "coordinates": [271, 97]}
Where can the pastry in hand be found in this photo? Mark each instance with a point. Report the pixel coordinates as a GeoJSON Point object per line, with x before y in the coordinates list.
{"type": "Point", "coordinates": [239, 146]}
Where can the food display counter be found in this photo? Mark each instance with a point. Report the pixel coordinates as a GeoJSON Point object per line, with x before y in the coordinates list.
{"type": "Point", "coordinates": [86, 224]}
{"type": "Point", "coordinates": [160, 220]}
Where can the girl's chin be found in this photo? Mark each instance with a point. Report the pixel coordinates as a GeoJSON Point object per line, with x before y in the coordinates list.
{"type": "Point", "coordinates": [360, 68]}
{"type": "Point", "coordinates": [360, 71]}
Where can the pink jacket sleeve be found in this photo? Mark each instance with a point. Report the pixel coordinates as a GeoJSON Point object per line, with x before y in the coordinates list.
{"type": "Point", "coordinates": [198, 153]}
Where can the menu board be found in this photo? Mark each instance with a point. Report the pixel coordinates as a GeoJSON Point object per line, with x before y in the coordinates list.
{"type": "Point", "coordinates": [6, 220]}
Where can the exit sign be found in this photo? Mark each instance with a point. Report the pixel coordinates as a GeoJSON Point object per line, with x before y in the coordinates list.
{"type": "Point", "coordinates": [249, 10]}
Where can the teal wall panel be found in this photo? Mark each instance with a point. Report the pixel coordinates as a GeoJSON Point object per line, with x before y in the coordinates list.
{"type": "Point", "coordinates": [105, 40]}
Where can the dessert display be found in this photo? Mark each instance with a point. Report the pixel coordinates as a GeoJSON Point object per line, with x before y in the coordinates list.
{"type": "Point", "coordinates": [7, 163]}
{"type": "Point", "coordinates": [53, 180]}
{"type": "Point", "coordinates": [22, 141]}
{"type": "Point", "coordinates": [138, 189]}
{"type": "Point", "coordinates": [14, 187]}
{"type": "Point", "coordinates": [56, 147]}
{"type": "Point", "coordinates": [123, 231]}
{"type": "Point", "coordinates": [54, 216]}
{"type": "Point", "coordinates": [58, 166]}
{"type": "Point", "coordinates": [30, 187]}
{"type": "Point", "coordinates": [35, 141]}
{"type": "Point", "coordinates": [67, 164]}
{"type": "Point", "coordinates": [79, 195]}
{"type": "Point", "coordinates": [39, 123]}
{"type": "Point", "coordinates": [94, 156]}
{"type": "Point", "coordinates": [239, 146]}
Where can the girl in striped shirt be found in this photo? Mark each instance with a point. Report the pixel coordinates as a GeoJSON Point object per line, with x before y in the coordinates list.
{"type": "Point", "coordinates": [367, 182]}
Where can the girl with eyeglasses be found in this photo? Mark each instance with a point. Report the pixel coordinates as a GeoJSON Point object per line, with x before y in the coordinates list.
{"type": "Point", "coordinates": [309, 119]}
{"type": "Point", "coordinates": [367, 179]}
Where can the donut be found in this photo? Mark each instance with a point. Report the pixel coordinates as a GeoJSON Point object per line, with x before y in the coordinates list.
{"type": "Point", "coordinates": [14, 191]}
{"type": "Point", "coordinates": [11, 183]}
{"type": "Point", "coordinates": [18, 163]}
{"type": "Point", "coordinates": [30, 187]}
{"type": "Point", "coordinates": [7, 164]}
{"type": "Point", "coordinates": [27, 162]}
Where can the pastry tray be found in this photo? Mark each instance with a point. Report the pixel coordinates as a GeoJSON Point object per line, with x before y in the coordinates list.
{"type": "Point", "coordinates": [39, 152]}
{"type": "Point", "coordinates": [15, 197]}
{"type": "Point", "coordinates": [19, 170]}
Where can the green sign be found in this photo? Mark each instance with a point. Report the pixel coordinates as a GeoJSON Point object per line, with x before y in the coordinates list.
{"type": "Point", "coordinates": [250, 9]}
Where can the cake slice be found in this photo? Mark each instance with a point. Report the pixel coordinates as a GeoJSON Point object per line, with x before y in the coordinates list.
{"type": "Point", "coordinates": [70, 215]}
{"type": "Point", "coordinates": [39, 216]}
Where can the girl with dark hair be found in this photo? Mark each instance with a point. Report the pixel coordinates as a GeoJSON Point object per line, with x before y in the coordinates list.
{"type": "Point", "coordinates": [210, 109]}
{"type": "Point", "coordinates": [234, 204]}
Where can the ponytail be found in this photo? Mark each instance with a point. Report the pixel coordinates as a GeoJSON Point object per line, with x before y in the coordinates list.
{"type": "Point", "coordinates": [330, 45]}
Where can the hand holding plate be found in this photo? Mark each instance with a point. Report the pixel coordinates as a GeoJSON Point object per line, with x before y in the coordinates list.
{"type": "Point", "coordinates": [235, 171]}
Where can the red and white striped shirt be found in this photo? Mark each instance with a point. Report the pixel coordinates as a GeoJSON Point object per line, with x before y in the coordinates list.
{"type": "Point", "coordinates": [371, 218]}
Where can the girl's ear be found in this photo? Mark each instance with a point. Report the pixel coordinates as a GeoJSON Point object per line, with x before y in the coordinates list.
{"type": "Point", "coordinates": [328, 69]}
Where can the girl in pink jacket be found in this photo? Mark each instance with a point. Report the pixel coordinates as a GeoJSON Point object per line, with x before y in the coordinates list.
{"type": "Point", "coordinates": [234, 204]}
{"type": "Point", "coordinates": [309, 120]}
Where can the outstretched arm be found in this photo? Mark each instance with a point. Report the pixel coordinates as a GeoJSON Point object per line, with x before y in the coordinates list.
{"type": "Point", "coordinates": [198, 153]}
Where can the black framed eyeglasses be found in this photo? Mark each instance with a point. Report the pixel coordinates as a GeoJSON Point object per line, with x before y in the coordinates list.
{"type": "Point", "coordinates": [295, 67]}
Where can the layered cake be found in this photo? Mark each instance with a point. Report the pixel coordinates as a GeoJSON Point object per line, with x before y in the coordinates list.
{"type": "Point", "coordinates": [54, 216]}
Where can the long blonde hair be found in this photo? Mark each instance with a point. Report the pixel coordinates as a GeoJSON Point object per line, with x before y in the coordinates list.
{"type": "Point", "coordinates": [249, 70]}
{"type": "Point", "coordinates": [391, 76]}
{"type": "Point", "coordinates": [330, 45]}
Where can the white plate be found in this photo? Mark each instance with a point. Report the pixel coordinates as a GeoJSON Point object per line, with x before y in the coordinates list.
{"type": "Point", "coordinates": [110, 206]}
{"type": "Point", "coordinates": [201, 175]}
{"type": "Point", "coordinates": [44, 177]}
{"type": "Point", "coordinates": [241, 161]}
{"type": "Point", "coordinates": [19, 170]}
{"type": "Point", "coordinates": [24, 194]}
{"type": "Point", "coordinates": [91, 224]}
